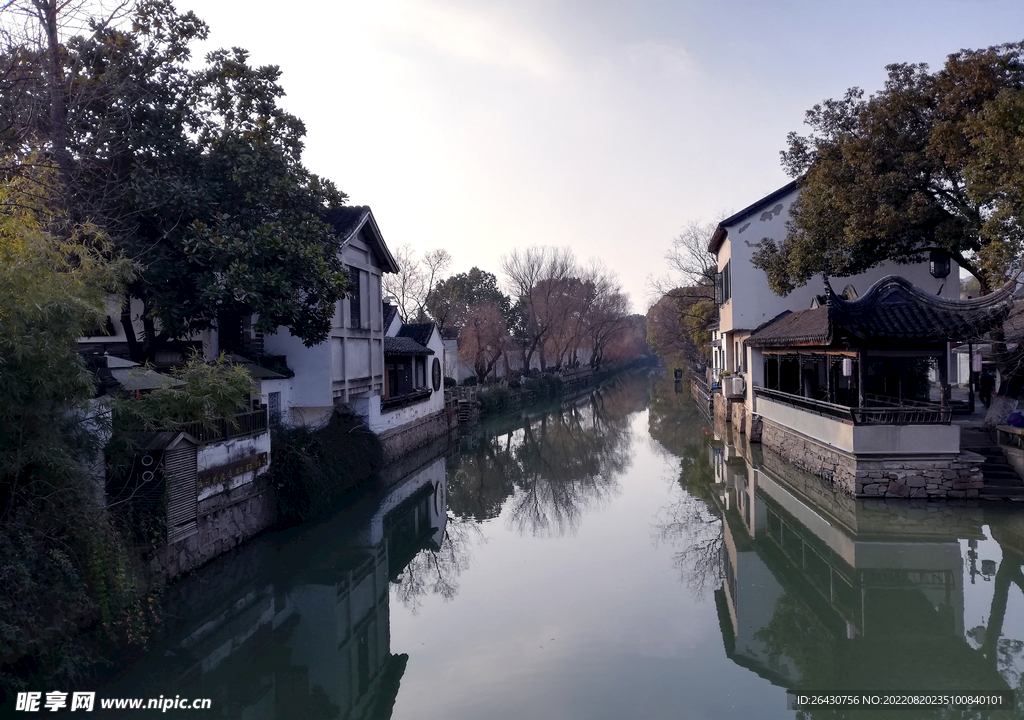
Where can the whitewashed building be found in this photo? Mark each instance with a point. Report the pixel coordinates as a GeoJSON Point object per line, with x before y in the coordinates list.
{"type": "Point", "coordinates": [348, 368]}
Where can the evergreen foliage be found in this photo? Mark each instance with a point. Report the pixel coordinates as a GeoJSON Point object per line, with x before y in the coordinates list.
{"type": "Point", "coordinates": [63, 564]}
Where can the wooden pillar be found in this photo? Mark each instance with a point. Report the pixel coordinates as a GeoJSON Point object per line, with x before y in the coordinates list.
{"type": "Point", "coordinates": [800, 374]}
{"type": "Point", "coordinates": [970, 377]}
{"type": "Point", "coordinates": [944, 377]}
{"type": "Point", "coordinates": [861, 358]}
{"type": "Point", "coordinates": [828, 378]}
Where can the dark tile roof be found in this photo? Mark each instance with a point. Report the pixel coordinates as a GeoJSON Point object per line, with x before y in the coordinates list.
{"type": "Point", "coordinates": [420, 332]}
{"type": "Point", "coordinates": [389, 314]}
{"type": "Point", "coordinates": [806, 327]}
{"type": "Point", "coordinates": [346, 220]}
{"type": "Point", "coordinates": [895, 309]}
{"type": "Point", "coordinates": [404, 346]}
{"type": "Point", "coordinates": [892, 310]}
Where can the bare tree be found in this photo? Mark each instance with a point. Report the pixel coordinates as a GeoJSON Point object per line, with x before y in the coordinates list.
{"type": "Point", "coordinates": [687, 291]}
{"type": "Point", "coordinates": [484, 338]}
{"type": "Point", "coordinates": [415, 279]}
{"type": "Point", "coordinates": [537, 276]}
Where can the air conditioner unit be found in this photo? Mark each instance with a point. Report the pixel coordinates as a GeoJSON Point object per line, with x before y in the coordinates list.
{"type": "Point", "coordinates": [734, 387]}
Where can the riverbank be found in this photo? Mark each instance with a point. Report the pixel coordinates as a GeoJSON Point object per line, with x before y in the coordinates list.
{"type": "Point", "coordinates": [516, 394]}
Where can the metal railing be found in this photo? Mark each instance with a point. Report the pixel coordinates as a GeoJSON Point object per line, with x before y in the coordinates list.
{"type": "Point", "coordinates": [918, 413]}
{"type": "Point", "coordinates": [819, 407]}
{"type": "Point", "coordinates": [245, 423]}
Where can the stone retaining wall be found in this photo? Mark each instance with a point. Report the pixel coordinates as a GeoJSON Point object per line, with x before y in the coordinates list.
{"type": "Point", "coordinates": [723, 413]}
{"type": "Point", "coordinates": [403, 440]}
{"type": "Point", "coordinates": [224, 521]}
{"type": "Point", "coordinates": [933, 476]}
{"type": "Point", "coordinates": [738, 412]}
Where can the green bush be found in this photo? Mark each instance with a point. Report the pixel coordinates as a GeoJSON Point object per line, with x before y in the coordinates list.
{"type": "Point", "coordinates": [316, 469]}
{"type": "Point", "coordinates": [470, 381]}
{"type": "Point", "coordinates": [545, 386]}
{"type": "Point", "coordinates": [495, 399]}
{"type": "Point", "coordinates": [450, 382]}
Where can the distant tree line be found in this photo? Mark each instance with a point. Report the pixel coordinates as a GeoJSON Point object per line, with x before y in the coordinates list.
{"type": "Point", "coordinates": [557, 312]}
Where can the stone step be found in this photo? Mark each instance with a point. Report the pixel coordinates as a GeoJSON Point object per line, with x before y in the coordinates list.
{"type": "Point", "coordinates": [1004, 482]}
{"type": "Point", "coordinates": [1002, 493]}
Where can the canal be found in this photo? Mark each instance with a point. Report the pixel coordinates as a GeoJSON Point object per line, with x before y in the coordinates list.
{"type": "Point", "coordinates": [614, 557]}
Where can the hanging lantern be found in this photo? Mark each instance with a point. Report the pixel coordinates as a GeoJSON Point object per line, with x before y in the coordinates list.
{"type": "Point", "coordinates": [938, 264]}
{"type": "Point", "coordinates": [847, 367]}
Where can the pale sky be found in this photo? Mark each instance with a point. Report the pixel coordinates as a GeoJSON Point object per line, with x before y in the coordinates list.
{"type": "Point", "coordinates": [482, 125]}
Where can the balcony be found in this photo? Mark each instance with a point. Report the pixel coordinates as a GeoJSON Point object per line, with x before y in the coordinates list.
{"type": "Point", "coordinates": [246, 423]}
{"type": "Point", "coordinates": [881, 411]}
{"type": "Point", "coordinates": [894, 429]}
{"type": "Point", "coordinates": [400, 401]}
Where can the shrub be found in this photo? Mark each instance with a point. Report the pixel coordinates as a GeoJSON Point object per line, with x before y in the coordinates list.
{"type": "Point", "coordinates": [316, 469]}
{"type": "Point", "coordinates": [495, 399]}
{"type": "Point", "coordinates": [450, 382]}
{"type": "Point", "coordinates": [470, 381]}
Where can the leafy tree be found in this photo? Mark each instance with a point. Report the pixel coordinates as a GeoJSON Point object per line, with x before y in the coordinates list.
{"type": "Point", "coordinates": [63, 564]}
{"type": "Point", "coordinates": [450, 300]}
{"type": "Point", "coordinates": [932, 161]}
{"type": "Point", "coordinates": [195, 173]}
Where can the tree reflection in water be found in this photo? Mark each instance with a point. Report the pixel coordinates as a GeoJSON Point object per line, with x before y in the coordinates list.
{"type": "Point", "coordinates": [692, 523]}
{"type": "Point", "coordinates": [547, 470]}
{"type": "Point", "coordinates": [436, 570]}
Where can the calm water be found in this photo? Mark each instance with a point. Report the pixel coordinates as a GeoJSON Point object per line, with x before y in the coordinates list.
{"type": "Point", "coordinates": [610, 559]}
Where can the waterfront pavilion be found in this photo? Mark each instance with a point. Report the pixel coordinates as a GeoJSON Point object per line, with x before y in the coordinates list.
{"type": "Point", "coordinates": [856, 389]}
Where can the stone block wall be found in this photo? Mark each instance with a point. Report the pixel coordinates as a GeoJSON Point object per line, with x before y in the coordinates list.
{"type": "Point", "coordinates": [755, 427]}
{"type": "Point", "coordinates": [952, 476]}
{"type": "Point", "coordinates": [738, 416]}
{"type": "Point", "coordinates": [224, 521]}
{"type": "Point", "coordinates": [405, 439]}
{"type": "Point", "coordinates": [723, 413]}
{"type": "Point", "coordinates": [912, 476]}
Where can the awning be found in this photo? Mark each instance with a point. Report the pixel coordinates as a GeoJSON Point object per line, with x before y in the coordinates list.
{"type": "Point", "coordinates": [404, 346]}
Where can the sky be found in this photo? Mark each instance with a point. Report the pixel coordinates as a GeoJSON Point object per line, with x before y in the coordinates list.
{"type": "Point", "coordinates": [479, 126]}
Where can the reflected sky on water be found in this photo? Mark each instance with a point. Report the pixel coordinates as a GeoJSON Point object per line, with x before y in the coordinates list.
{"type": "Point", "coordinates": [610, 558]}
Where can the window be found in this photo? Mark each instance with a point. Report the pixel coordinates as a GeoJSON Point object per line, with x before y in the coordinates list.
{"type": "Point", "coordinates": [274, 406]}
{"type": "Point", "coordinates": [355, 306]}
{"type": "Point", "coordinates": [723, 284]}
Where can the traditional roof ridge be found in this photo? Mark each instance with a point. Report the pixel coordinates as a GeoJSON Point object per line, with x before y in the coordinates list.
{"type": "Point", "coordinates": [719, 237]}
{"type": "Point", "coordinates": [347, 220]}
{"type": "Point", "coordinates": [892, 282]}
{"type": "Point", "coordinates": [420, 332]}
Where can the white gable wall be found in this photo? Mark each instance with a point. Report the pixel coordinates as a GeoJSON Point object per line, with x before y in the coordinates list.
{"type": "Point", "coordinates": [753, 302]}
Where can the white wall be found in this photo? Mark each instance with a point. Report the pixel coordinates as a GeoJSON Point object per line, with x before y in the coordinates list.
{"type": "Point", "coordinates": [222, 453]}
{"type": "Point", "coordinates": [864, 439]}
{"type": "Point", "coordinates": [753, 302]}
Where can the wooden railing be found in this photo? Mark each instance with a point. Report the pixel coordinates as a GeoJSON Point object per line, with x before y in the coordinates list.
{"type": "Point", "coordinates": [918, 413]}
{"type": "Point", "coordinates": [246, 423]}
{"type": "Point", "coordinates": [399, 401]}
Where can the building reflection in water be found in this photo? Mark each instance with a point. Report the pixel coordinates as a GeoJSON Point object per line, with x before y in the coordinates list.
{"type": "Point", "coordinates": [824, 593]}
{"type": "Point", "coordinates": [312, 640]}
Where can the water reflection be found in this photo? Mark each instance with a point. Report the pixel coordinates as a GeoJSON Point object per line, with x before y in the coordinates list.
{"type": "Point", "coordinates": [692, 524]}
{"type": "Point", "coordinates": [298, 626]}
{"type": "Point", "coordinates": [823, 593]}
{"type": "Point", "coordinates": [550, 466]}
